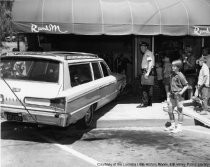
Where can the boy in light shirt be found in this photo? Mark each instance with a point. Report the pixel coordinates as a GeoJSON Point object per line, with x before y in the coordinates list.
{"type": "Point", "coordinates": [207, 56]}
{"type": "Point", "coordinates": [178, 85]}
{"type": "Point", "coordinates": [203, 84]}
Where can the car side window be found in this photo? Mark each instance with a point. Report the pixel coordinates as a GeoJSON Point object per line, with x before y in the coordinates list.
{"type": "Point", "coordinates": [96, 71]}
{"type": "Point", "coordinates": [80, 74]}
{"type": "Point", "coordinates": [105, 69]}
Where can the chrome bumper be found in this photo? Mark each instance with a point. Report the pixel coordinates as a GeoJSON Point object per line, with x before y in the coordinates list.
{"type": "Point", "coordinates": [36, 116]}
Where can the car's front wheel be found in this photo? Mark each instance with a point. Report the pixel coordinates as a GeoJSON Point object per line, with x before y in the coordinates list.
{"type": "Point", "coordinates": [87, 120]}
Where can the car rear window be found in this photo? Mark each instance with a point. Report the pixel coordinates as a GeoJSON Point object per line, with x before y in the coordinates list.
{"type": "Point", "coordinates": [30, 69]}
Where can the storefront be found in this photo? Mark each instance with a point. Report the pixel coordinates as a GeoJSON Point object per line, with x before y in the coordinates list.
{"type": "Point", "coordinates": [115, 27]}
{"type": "Point", "coordinates": [110, 48]}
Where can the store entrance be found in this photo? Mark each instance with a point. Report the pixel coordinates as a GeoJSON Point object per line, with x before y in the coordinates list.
{"type": "Point", "coordinates": [117, 51]}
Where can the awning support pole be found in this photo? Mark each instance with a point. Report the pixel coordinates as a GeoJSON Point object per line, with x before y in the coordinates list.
{"type": "Point", "coordinates": [135, 55]}
{"type": "Point", "coordinates": [18, 42]}
{"type": "Point", "coordinates": [203, 42]}
{"type": "Point", "coordinates": [153, 44]}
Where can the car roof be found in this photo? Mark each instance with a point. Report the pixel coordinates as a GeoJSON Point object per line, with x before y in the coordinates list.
{"type": "Point", "coordinates": [57, 55]}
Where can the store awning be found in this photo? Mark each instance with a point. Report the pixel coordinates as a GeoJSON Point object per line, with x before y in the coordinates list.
{"type": "Point", "coordinates": [113, 17]}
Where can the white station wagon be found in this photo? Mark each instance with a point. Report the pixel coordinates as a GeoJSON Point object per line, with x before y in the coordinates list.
{"type": "Point", "coordinates": [56, 88]}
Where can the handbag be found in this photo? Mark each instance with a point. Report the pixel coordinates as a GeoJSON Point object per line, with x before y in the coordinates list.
{"type": "Point", "coordinates": [149, 81]}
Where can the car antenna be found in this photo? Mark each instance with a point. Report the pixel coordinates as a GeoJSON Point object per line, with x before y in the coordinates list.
{"type": "Point", "coordinates": [19, 100]}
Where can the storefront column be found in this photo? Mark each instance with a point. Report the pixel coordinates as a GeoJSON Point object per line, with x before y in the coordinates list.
{"type": "Point", "coordinates": [18, 42]}
{"type": "Point", "coordinates": [153, 44]}
{"type": "Point", "coordinates": [203, 42]}
{"type": "Point", "coordinates": [135, 56]}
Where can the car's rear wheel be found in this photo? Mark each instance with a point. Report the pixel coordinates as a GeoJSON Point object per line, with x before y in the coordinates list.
{"type": "Point", "coordinates": [87, 120]}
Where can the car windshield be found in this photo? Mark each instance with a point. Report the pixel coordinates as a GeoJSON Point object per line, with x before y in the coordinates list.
{"type": "Point", "coordinates": [33, 69]}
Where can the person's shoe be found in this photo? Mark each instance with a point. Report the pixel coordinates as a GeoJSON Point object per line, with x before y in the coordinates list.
{"type": "Point", "coordinates": [195, 98]}
{"type": "Point", "coordinates": [198, 109]}
{"type": "Point", "coordinates": [150, 104]}
{"type": "Point", "coordinates": [203, 113]}
{"type": "Point", "coordinates": [177, 130]}
{"type": "Point", "coordinates": [142, 106]}
{"type": "Point", "coordinates": [170, 128]}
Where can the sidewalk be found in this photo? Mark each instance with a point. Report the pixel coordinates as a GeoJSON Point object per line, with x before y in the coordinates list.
{"type": "Point", "coordinates": [190, 110]}
{"type": "Point", "coordinates": [124, 113]}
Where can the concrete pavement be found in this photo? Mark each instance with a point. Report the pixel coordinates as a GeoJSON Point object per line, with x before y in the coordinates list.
{"type": "Point", "coordinates": [125, 113]}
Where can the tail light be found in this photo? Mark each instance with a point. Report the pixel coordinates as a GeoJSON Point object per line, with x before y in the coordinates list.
{"type": "Point", "coordinates": [58, 103]}
{"type": "Point", "coordinates": [37, 101]}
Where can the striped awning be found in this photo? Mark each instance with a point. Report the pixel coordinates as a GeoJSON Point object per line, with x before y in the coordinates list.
{"type": "Point", "coordinates": [113, 17]}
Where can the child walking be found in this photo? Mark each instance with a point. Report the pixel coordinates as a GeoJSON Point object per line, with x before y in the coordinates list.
{"type": "Point", "coordinates": [178, 85]}
{"type": "Point", "coordinates": [203, 84]}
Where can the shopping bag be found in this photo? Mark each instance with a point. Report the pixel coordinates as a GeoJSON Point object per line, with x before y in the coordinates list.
{"type": "Point", "coordinates": [149, 81]}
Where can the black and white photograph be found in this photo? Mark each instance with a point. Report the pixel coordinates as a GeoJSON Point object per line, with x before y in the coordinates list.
{"type": "Point", "coordinates": [105, 83]}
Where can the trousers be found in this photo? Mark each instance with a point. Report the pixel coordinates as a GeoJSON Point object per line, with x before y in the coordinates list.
{"type": "Point", "coordinates": [147, 93]}
{"type": "Point", "coordinates": [203, 92]}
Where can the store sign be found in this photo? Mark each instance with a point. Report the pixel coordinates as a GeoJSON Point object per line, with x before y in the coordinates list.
{"type": "Point", "coordinates": [201, 31]}
{"type": "Point", "coordinates": [49, 28]}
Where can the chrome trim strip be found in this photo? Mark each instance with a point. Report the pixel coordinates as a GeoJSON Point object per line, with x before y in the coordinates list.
{"type": "Point", "coordinates": [32, 112]}
{"type": "Point", "coordinates": [30, 108]}
{"type": "Point", "coordinates": [107, 85]}
{"type": "Point", "coordinates": [74, 112]}
{"type": "Point", "coordinates": [79, 96]}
